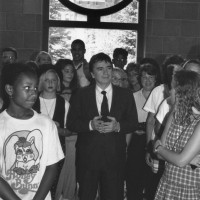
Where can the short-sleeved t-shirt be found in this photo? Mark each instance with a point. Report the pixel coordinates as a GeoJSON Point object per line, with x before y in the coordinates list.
{"type": "Point", "coordinates": [163, 110]}
{"type": "Point", "coordinates": [140, 101]}
{"type": "Point", "coordinates": [29, 146]}
{"type": "Point", "coordinates": [155, 99]}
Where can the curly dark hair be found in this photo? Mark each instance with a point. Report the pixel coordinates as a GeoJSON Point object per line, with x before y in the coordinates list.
{"type": "Point", "coordinates": [187, 90]}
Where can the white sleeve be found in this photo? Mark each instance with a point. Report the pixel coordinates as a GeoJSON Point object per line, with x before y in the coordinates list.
{"type": "Point", "coordinates": [162, 111]}
{"type": "Point", "coordinates": [150, 103]}
{"type": "Point", "coordinates": [55, 152]}
{"type": "Point", "coordinates": [155, 99]}
{"type": "Point", "coordinates": [1, 155]}
{"type": "Point", "coordinates": [66, 112]}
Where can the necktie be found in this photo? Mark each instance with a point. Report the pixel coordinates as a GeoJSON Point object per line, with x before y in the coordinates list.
{"type": "Point", "coordinates": [104, 107]}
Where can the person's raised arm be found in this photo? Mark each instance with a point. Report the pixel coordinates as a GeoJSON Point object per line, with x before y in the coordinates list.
{"type": "Point", "coordinates": [6, 192]}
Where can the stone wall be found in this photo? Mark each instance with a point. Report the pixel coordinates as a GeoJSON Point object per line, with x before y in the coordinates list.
{"type": "Point", "coordinates": [173, 27]}
{"type": "Point", "coordinates": [21, 26]}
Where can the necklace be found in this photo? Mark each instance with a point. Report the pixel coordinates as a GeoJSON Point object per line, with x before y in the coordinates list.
{"type": "Point", "coordinates": [47, 105]}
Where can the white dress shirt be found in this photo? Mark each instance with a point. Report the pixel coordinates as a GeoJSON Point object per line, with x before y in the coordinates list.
{"type": "Point", "coordinates": [99, 99]}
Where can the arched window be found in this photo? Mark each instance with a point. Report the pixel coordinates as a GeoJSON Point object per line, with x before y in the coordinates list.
{"type": "Point", "coordinates": [102, 24]}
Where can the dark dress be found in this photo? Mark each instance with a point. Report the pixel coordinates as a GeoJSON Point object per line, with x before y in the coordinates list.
{"type": "Point", "coordinates": [59, 115]}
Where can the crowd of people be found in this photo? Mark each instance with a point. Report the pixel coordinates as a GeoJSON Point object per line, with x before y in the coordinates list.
{"type": "Point", "coordinates": [104, 129]}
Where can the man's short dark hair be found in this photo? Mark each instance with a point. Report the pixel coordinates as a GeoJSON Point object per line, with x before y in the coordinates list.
{"type": "Point", "coordinates": [99, 57]}
{"type": "Point", "coordinates": [120, 51]}
{"type": "Point", "coordinates": [12, 49]}
{"type": "Point", "coordinates": [78, 41]}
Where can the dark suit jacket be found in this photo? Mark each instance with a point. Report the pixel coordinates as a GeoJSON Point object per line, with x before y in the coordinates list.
{"type": "Point", "coordinates": [95, 149]}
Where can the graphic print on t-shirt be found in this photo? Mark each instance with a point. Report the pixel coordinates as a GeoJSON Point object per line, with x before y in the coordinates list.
{"type": "Point", "coordinates": [22, 153]}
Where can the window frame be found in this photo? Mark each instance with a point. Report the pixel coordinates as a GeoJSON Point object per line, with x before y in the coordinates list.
{"type": "Point", "coordinates": [93, 21]}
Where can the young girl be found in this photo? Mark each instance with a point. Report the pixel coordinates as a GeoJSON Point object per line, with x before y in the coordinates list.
{"type": "Point", "coordinates": [28, 162]}
{"type": "Point", "coordinates": [132, 71]}
{"type": "Point", "coordinates": [54, 106]}
{"type": "Point", "coordinates": [179, 144]}
{"type": "Point", "coordinates": [67, 181]}
{"type": "Point", "coordinates": [68, 76]}
{"type": "Point", "coordinates": [136, 174]}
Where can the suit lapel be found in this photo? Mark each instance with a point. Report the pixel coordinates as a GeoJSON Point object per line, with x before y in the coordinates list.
{"type": "Point", "coordinates": [114, 101]}
{"type": "Point", "coordinates": [93, 104]}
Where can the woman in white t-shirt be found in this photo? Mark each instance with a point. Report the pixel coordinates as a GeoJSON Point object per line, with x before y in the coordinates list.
{"type": "Point", "coordinates": [136, 165]}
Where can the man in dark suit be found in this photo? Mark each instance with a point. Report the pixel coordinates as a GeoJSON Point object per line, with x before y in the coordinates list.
{"type": "Point", "coordinates": [101, 144]}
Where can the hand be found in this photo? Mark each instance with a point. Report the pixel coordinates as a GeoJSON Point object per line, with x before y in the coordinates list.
{"type": "Point", "coordinates": [156, 144]}
{"type": "Point", "coordinates": [111, 126]}
{"type": "Point", "coordinates": [97, 124]}
{"type": "Point", "coordinates": [196, 161]}
{"type": "Point", "coordinates": [149, 160]}
{"type": "Point", "coordinates": [57, 124]}
{"type": "Point", "coordinates": [140, 132]}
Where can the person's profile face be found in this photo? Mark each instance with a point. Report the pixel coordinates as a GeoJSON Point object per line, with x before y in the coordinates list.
{"type": "Point", "coordinates": [8, 57]}
{"type": "Point", "coordinates": [24, 91]}
{"type": "Point", "coordinates": [77, 51]}
{"type": "Point", "coordinates": [102, 73]}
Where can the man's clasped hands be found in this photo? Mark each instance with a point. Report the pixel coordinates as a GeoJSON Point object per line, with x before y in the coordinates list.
{"type": "Point", "coordinates": [110, 125]}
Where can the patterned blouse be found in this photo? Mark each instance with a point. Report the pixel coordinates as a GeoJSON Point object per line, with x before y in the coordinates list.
{"type": "Point", "coordinates": [179, 183]}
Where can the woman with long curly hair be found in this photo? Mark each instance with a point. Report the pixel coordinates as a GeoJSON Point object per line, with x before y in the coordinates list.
{"type": "Point", "coordinates": [179, 144]}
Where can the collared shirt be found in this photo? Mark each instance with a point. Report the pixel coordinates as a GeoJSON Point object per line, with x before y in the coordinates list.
{"type": "Point", "coordinates": [99, 97]}
{"type": "Point", "coordinates": [78, 66]}
{"type": "Point", "coordinates": [83, 81]}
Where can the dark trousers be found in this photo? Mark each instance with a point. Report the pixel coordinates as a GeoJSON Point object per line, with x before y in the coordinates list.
{"type": "Point", "coordinates": [136, 168]}
{"type": "Point", "coordinates": [110, 183]}
{"type": "Point", "coordinates": [153, 180]}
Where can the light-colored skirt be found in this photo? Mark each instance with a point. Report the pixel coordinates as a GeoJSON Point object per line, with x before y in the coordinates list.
{"type": "Point", "coordinates": [66, 188]}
